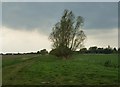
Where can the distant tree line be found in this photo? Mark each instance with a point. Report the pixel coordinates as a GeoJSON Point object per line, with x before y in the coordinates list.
{"type": "Point", "coordinates": [91, 50]}
{"type": "Point", "coordinates": [41, 52]}
{"type": "Point", "coordinates": [96, 50]}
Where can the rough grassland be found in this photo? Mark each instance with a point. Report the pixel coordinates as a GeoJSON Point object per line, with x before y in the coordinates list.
{"type": "Point", "coordinates": [89, 69]}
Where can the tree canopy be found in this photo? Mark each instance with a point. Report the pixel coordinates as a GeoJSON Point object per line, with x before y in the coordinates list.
{"type": "Point", "coordinates": [67, 32]}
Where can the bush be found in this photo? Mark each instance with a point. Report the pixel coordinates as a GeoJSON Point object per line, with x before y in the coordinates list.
{"type": "Point", "coordinates": [83, 50]}
{"type": "Point", "coordinates": [107, 63]}
{"type": "Point", "coordinates": [61, 51]}
{"type": "Point", "coordinates": [108, 51]}
{"type": "Point", "coordinates": [43, 52]}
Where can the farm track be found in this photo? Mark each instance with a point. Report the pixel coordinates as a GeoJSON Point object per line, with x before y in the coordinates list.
{"type": "Point", "coordinates": [38, 69]}
{"type": "Point", "coordinates": [17, 67]}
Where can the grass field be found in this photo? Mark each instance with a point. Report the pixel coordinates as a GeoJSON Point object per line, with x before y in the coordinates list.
{"type": "Point", "coordinates": [89, 69]}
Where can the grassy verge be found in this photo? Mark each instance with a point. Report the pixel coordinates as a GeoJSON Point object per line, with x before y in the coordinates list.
{"type": "Point", "coordinates": [86, 69]}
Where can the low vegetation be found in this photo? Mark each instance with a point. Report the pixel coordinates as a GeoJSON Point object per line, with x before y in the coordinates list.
{"type": "Point", "coordinates": [80, 69]}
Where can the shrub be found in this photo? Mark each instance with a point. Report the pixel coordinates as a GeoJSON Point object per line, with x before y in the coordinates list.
{"type": "Point", "coordinates": [107, 63]}
{"type": "Point", "coordinates": [61, 52]}
{"type": "Point", "coordinates": [44, 52]}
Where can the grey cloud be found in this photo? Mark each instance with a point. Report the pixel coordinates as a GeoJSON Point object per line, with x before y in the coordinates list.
{"type": "Point", "coordinates": [31, 15]}
{"type": "Point", "coordinates": [0, 13]}
{"type": "Point", "coordinates": [61, 0]}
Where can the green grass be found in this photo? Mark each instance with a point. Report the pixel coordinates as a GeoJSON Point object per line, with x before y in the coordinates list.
{"type": "Point", "coordinates": [81, 69]}
{"type": "Point", "coordinates": [13, 59]}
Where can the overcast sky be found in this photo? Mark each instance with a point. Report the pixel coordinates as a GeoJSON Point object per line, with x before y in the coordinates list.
{"type": "Point", "coordinates": [27, 25]}
{"type": "Point", "coordinates": [60, 0]}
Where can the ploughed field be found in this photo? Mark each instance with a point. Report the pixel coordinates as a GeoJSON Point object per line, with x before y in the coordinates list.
{"type": "Point", "coordinates": [80, 69]}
